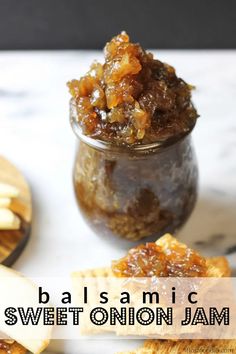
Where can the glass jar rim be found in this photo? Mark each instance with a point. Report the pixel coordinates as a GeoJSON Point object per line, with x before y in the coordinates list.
{"type": "Point", "coordinates": [106, 145]}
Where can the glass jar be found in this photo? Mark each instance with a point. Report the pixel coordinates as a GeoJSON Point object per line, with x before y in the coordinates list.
{"type": "Point", "coordinates": [134, 192]}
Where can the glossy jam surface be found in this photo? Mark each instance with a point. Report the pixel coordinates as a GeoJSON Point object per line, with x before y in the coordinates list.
{"type": "Point", "coordinates": [151, 260]}
{"type": "Point", "coordinates": [132, 98]}
{"type": "Point", "coordinates": [4, 346]}
{"type": "Point", "coordinates": [8, 346]}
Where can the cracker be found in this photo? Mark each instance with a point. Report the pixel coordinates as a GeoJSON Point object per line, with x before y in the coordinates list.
{"type": "Point", "coordinates": [216, 267]}
{"type": "Point", "coordinates": [184, 346]}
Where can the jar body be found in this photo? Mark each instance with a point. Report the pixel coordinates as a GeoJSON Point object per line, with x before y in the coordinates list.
{"type": "Point", "coordinates": [136, 194]}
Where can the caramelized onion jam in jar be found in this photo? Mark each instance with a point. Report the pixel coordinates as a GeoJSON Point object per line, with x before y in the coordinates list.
{"type": "Point", "coordinates": [135, 172]}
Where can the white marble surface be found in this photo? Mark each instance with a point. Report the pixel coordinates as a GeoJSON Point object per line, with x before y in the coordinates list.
{"type": "Point", "coordinates": [35, 134]}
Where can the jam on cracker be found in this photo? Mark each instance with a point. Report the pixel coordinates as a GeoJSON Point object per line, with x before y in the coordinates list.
{"type": "Point", "coordinates": [152, 259]}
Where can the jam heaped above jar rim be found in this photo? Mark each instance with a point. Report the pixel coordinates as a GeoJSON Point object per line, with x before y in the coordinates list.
{"type": "Point", "coordinates": [132, 99]}
{"type": "Point", "coordinates": [102, 145]}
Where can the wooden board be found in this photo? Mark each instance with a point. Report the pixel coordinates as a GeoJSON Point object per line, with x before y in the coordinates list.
{"type": "Point", "coordinates": [12, 242]}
